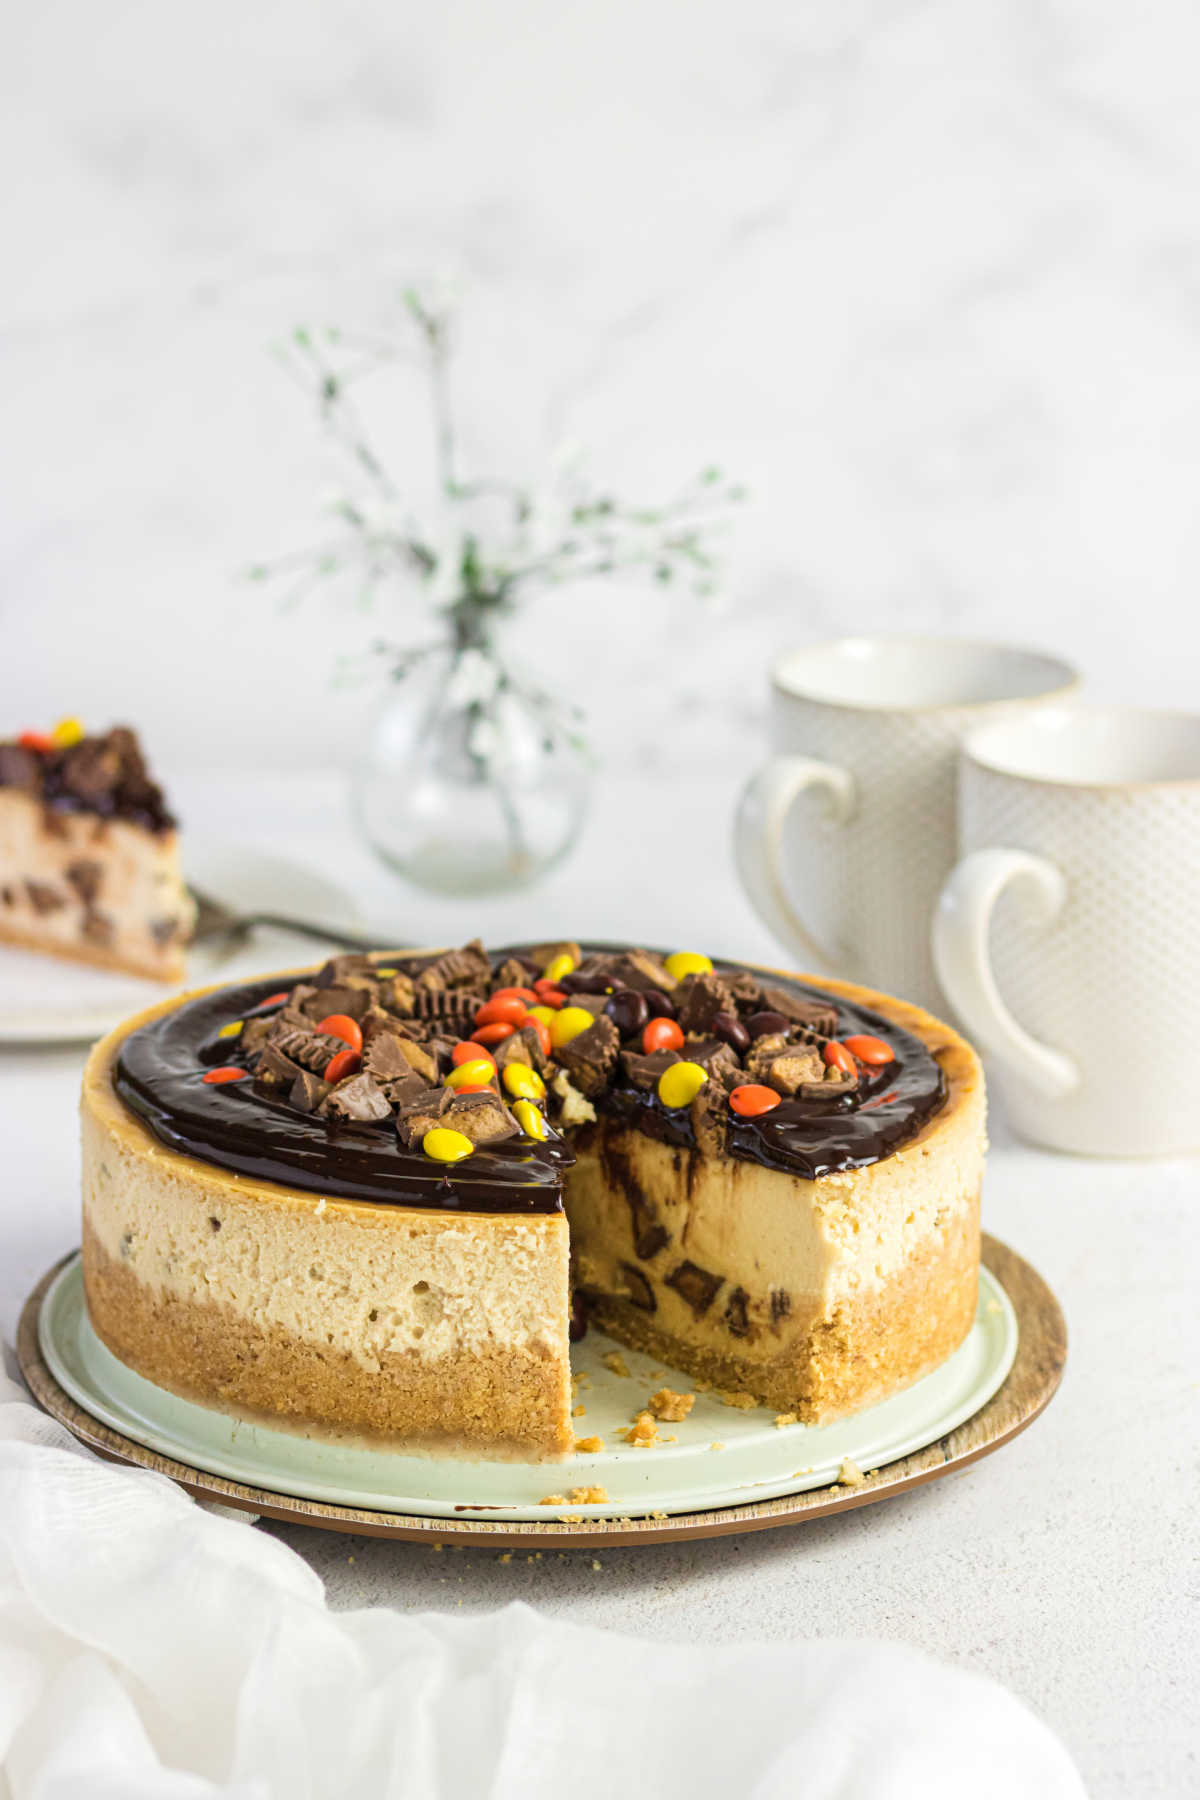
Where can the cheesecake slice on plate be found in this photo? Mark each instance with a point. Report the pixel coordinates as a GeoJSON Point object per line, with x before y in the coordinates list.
{"type": "Point", "coordinates": [89, 854]}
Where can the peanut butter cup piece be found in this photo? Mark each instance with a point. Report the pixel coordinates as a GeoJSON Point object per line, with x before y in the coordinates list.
{"type": "Point", "coordinates": [419, 1116]}
{"type": "Point", "coordinates": [792, 1068]}
{"type": "Point", "coordinates": [359, 1097]}
{"type": "Point", "coordinates": [818, 1016]}
{"type": "Point", "coordinates": [643, 1071]}
{"type": "Point", "coordinates": [469, 967]}
{"type": "Point", "coordinates": [699, 1287]}
{"type": "Point", "coordinates": [698, 1001]}
{"type": "Point", "coordinates": [307, 1091]}
{"type": "Point", "coordinates": [590, 1058]}
{"type": "Point", "coordinates": [275, 1070]}
{"type": "Point", "coordinates": [637, 1289]}
{"type": "Point", "coordinates": [481, 1117]}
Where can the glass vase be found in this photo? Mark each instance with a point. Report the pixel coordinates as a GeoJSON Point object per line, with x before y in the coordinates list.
{"type": "Point", "coordinates": [468, 783]}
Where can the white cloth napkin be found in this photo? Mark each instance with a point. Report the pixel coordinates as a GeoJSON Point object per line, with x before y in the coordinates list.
{"type": "Point", "coordinates": [150, 1650]}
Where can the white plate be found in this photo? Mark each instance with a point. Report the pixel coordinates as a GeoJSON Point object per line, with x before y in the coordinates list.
{"type": "Point", "coordinates": [44, 999]}
{"type": "Point", "coordinates": [720, 1456]}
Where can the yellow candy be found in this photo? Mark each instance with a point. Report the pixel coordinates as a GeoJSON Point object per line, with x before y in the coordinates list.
{"type": "Point", "coordinates": [231, 1030]}
{"type": "Point", "coordinates": [679, 1085]}
{"type": "Point", "coordinates": [445, 1145]}
{"type": "Point", "coordinates": [546, 1014]}
{"type": "Point", "coordinates": [66, 733]}
{"type": "Point", "coordinates": [525, 1083]}
{"type": "Point", "coordinates": [568, 1023]}
{"type": "Point", "coordinates": [478, 1071]}
{"type": "Point", "coordinates": [529, 1119]}
{"type": "Point", "coordinates": [386, 972]}
{"type": "Point", "coordinates": [687, 962]}
{"type": "Point", "coordinates": [558, 966]}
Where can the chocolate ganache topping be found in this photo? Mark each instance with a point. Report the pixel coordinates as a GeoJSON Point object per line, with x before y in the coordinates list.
{"type": "Point", "coordinates": [457, 1080]}
{"type": "Point", "coordinates": [104, 774]}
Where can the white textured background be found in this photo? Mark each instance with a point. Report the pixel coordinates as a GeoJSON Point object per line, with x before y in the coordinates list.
{"type": "Point", "coordinates": [926, 276]}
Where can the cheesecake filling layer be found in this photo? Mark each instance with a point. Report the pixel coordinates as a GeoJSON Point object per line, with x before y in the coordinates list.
{"type": "Point", "coordinates": [248, 1127]}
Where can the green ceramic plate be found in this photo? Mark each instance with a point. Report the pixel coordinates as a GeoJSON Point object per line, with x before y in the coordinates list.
{"type": "Point", "coordinates": [720, 1456]}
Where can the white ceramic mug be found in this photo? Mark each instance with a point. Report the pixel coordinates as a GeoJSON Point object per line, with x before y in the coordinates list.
{"type": "Point", "coordinates": [854, 814]}
{"type": "Point", "coordinates": [1078, 901]}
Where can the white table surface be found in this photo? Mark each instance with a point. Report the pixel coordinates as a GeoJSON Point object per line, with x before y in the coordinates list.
{"type": "Point", "coordinates": [1065, 1565]}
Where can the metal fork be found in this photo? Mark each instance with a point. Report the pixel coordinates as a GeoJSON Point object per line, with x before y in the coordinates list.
{"type": "Point", "coordinates": [216, 921]}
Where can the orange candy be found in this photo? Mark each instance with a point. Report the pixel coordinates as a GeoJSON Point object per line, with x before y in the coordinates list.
{"type": "Point", "coordinates": [274, 999]}
{"type": "Point", "coordinates": [341, 1025]}
{"type": "Point", "coordinates": [516, 993]}
{"type": "Point", "coordinates": [468, 1052]}
{"type": "Point", "coordinates": [543, 1034]}
{"type": "Point", "coordinates": [472, 1087]}
{"type": "Point", "coordinates": [661, 1034]}
{"type": "Point", "coordinates": [548, 993]}
{"type": "Point", "coordinates": [346, 1062]}
{"type": "Point", "coordinates": [493, 1034]}
{"type": "Point", "coordinates": [753, 1100]}
{"type": "Point", "coordinates": [870, 1050]}
{"type": "Point", "coordinates": [218, 1077]}
{"type": "Point", "coordinates": [502, 1009]}
{"type": "Point", "coordinates": [36, 740]}
{"type": "Point", "coordinates": [838, 1057]}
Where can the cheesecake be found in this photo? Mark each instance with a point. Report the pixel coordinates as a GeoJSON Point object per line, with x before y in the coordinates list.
{"type": "Point", "coordinates": [381, 1197]}
{"type": "Point", "coordinates": [89, 854]}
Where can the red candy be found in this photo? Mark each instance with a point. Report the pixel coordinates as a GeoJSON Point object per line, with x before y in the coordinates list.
{"type": "Point", "coordinates": [493, 1034]}
{"type": "Point", "coordinates": [468, 1052]}
{"type": "Point", "coordinates": [218, 1077]}
{"type": "Point", "coordinates": [346, 1062]}
{"type": "Point", "coordinates": [870, 1050]}
{"type": "Point", "coordinates": [274, 999]}
{"type": "Point", "coordinates": [341, 1025]}
{"type": "Point", "coordinates": [661, 1034]}
{"type": "Point", "coordinates": [838, 1057]}
{"type": "Point", "coordinates": [753, 1100]}
{"type": "Point", "coordinates": [502, 1009]}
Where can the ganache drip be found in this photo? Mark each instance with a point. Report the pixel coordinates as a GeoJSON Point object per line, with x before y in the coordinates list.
{"type": "Point", "coordinates": [242, 1128]}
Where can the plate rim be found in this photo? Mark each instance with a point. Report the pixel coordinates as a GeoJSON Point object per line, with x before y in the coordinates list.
{"type": "Point", "coordinates": [64, 1296]}
{"type": "Point", "coordinates": [1026, 1391]}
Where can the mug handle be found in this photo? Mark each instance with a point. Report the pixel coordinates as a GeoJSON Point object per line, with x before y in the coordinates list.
{"type": "Point", "coordinates": [961, 925]}
{"type": "Point", "coordinates": [758, 840]}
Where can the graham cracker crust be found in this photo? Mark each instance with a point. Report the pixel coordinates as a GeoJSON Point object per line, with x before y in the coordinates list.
{"type": "Point", "coordinates": [171, 969]}
{"type": "Point", "coordinates": [212, 1356]}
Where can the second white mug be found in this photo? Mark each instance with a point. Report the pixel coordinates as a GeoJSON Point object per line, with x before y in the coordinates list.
{"type": "Point", "coordinates": [1077, 905]}
{"type": "Point", "coordinates": [844, 837]}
